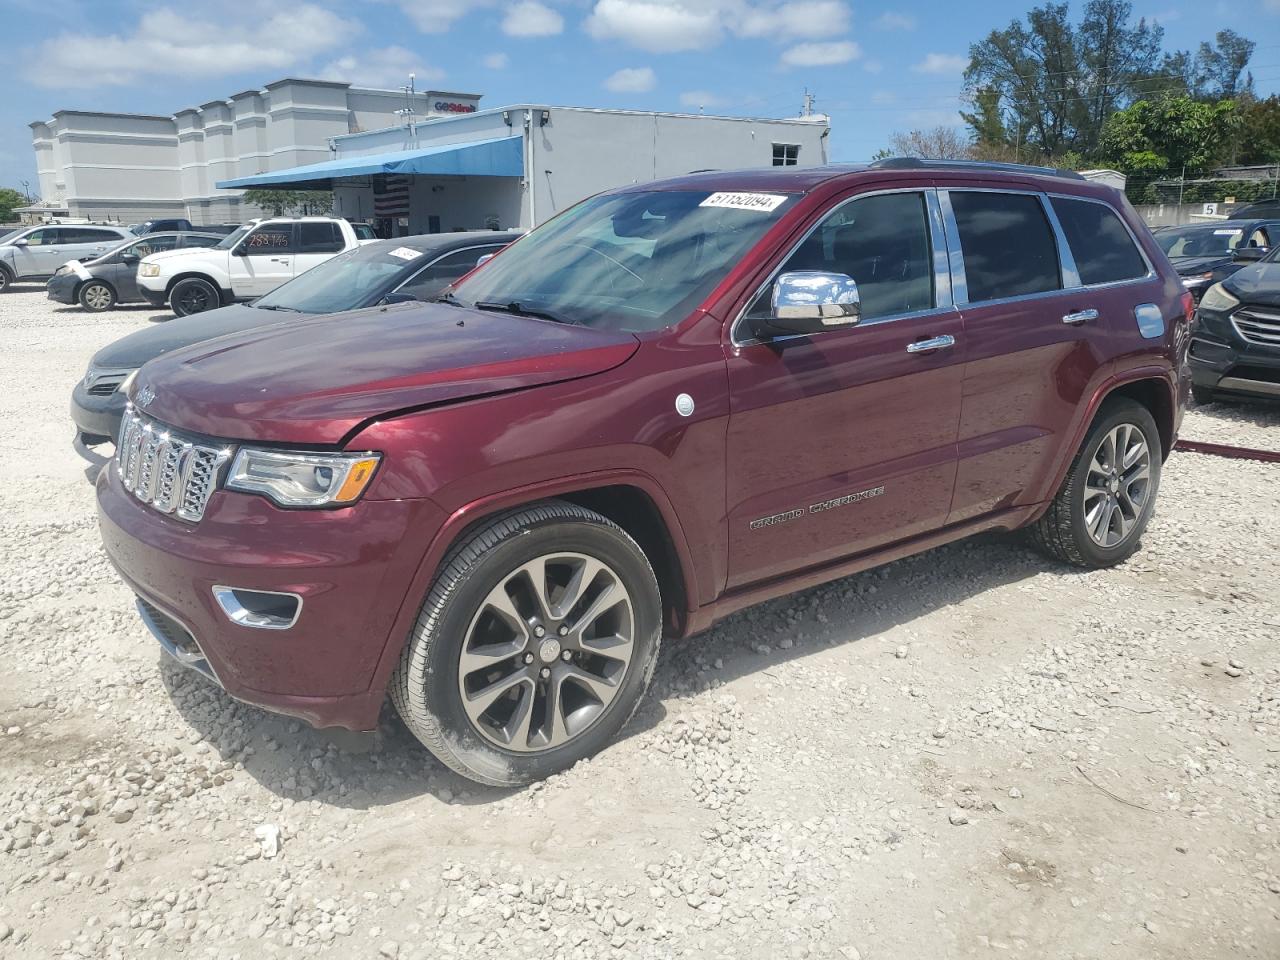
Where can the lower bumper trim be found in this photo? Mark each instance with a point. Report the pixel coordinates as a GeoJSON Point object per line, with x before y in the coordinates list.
{"type": "Point", "coordinates": [176, 639]}
{"type": "Point", "coordinates": [1241, 385]}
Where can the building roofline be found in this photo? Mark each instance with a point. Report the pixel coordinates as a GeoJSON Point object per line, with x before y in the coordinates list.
{"type": "Point", "coordinates": [255, 92]}
{"type": "Point", "coordinates": [432, 121]}
{"type": "Point", "coordinates": [315, 83]}
{"type": "Point", "coordinates": [419, 93]}
{"type": "Point", "coordinates": [107, 113]}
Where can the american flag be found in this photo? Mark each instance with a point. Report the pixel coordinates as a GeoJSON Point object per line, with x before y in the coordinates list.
{"type": "Point", "coordinates": [391, 196]}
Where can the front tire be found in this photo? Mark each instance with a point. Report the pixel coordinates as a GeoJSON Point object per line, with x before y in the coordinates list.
{"type": "Point", "coordinates": [1107, 498]}
{"type": "Point", "coordinates": [193, 295]}
{"type": "Point", "coordinates": [533, 647]}
{"type": "Point", "coordinates": [96, 296]}
{"type": "Point", "coordinates": [5, 279]}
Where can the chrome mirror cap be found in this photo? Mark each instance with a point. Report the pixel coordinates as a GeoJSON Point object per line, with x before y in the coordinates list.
{"type": "Point", "coordinates": [831, 299]}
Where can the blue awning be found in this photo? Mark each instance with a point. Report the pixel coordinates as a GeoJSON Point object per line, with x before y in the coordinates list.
{"type": "Point", "coordinates": [503, 157]}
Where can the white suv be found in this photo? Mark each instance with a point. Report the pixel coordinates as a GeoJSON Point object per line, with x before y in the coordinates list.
{"type": "Point", "coordinates": [251, 262]}
{"type": "Point", "coordinates": [36, 253]}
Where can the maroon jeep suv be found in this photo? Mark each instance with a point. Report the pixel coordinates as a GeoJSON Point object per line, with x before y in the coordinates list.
{"type": "Point", "coordinates": [671, 401]}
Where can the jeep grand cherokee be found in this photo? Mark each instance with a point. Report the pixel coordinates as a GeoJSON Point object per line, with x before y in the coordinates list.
{"type": "Point", "coordinates": [671, 401]}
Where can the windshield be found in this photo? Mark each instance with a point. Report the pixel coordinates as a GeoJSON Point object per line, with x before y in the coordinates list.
{"type": "Point", "coordinates": [231, 239]}
{"type": "Point", "coordinates": [342, 283]}
{"type": "Point", "coordinates": [1200, 241]}
{"type": "Point", "coordinates": [6, 237]}
{"type": "Point", "coordinates": [627, 261]}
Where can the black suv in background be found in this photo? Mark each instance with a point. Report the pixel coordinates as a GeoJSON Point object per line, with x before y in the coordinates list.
{"type": "Point", "coordinates": [1235, 342]}
{"type": "Point", "coordinates": [1206, 253]}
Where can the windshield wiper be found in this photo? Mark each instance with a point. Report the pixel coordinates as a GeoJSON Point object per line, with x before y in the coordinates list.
{"type": "Point", "coordinates": [450, 299]}
{"type": "Point", "coordinates": [516, 307]}
{"type": "Point", "coordinates": [276, 306]}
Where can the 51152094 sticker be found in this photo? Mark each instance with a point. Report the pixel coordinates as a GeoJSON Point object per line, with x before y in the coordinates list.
{"type": "Point", "coordinates": [763, 202]}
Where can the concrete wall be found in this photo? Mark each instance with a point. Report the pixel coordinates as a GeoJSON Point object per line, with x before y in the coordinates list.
{"type": "Point", "coordinates": [1177, 214]}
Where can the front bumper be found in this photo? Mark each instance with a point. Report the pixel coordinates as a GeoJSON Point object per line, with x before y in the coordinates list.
{"type": "Point", "coordinates": [352, 567]}
{"type": "Point", "coordinates": [1223, 361]}
{"type": "Point", "coordinates": [157, 298]}
{"type": "Point", "coordinates": [97, 419]}
{"type": "Point", "coordinates": [62, 288]}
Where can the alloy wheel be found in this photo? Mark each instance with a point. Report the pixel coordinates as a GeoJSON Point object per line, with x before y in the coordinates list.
{"type": "Point", "coordinates": [547, 652]}
{"type": "Point", "coordinates": [1117, 485]}
{"type": "Point", "coordinates": [97, 297]}
{"type": "Point", "coordinates": [194, 299]}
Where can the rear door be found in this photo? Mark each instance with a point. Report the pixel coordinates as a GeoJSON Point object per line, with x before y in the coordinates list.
{"type": "Point", "coordinates": [318, 241]}
{"type": "Point", "coordinates": [267, 260]}
{"type": "Point", "coordinates": [1036, 336]}
{"type": "Point", "coordinates": [844, 441]}
{"type": "Point", "coordinates": [81, 242]}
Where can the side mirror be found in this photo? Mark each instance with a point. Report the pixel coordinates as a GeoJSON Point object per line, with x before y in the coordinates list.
{"type": "Point", "coordinates": [241, 250]}
{"type": "Point", "coordinates": [20, 242]}
{"type": "Point", "coordinates": [485, 259]}
{"type": "Point", "coordinates": [1248, 254]}
{"type": "Point", "coordinates": [397, 296]}
{"type": "Point", "coordinates": [810, 301]}
{"type": "Point", "coordinates": [129, 257]}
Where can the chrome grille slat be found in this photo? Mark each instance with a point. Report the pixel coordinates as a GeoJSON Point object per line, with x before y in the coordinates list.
{"type": "Point", "coordinates": [1257, 325]}
{"type": "Point", "coordinates": [170, 473]}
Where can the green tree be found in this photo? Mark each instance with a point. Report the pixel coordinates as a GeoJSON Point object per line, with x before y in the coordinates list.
{"type": "Point", "coordinates": [280, 203]}
{"type": "Point", "coordinates": [1219, 67]}
{"type": "Point", "coordinates": [10, 198]}
{"type": "Point", "coordinates": [1162, 138]}
{"type": "Point", "coordinates": [1259, 134]}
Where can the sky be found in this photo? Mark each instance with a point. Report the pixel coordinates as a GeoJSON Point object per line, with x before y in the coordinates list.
{"type": "Point", "coordinates": [874, 67]}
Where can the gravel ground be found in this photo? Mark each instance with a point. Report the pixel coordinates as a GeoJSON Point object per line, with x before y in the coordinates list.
{"type": "Point", "coordinates": [969, 753]}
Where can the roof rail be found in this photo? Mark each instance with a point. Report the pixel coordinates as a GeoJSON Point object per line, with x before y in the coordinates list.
{"type": "Point", "coordinates": [914, 163]}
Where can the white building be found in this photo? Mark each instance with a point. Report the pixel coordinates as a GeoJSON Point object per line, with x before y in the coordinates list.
{"type": "Point", "coordinates": [127, 166]}
{"type": "Point", "coordinates": [517, 166]}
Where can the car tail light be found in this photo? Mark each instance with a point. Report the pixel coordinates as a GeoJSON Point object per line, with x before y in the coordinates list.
{"type": "Point", "coordinates": [1188, 305]}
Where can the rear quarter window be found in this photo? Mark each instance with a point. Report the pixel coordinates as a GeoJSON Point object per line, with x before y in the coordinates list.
{"type": "Point", "coordinates": [1103, 248]}
{"type": "Point", "coordinates": [1007, 244]}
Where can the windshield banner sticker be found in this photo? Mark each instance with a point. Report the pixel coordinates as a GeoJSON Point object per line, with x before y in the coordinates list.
{"type": "Point", "coordinates": [406, 253]}
{"type": "Point", "coordinates": [744, 201]}
{"type": "Point", "coordinates": [1226, 233]}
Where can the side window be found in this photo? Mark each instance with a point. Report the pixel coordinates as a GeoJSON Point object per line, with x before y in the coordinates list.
{"type": "Point", "coordinates": [1103, 249]}
{"type": "Point", "coordinates": [883, 243]}
{"type": "Point", "coordinates": [101, 236]}
{"type": "Point", "coordinates": [198, 241]}
{"type": "Point", "coordinates": [434, 277]}
{"type": "Point", "coordinates": [274, 239]}
{"type": "Point", "coordinates": [153, 244]}
{"type": "Point", "coordinates": [786, 154]}
{"type": "Point", "coordinates": [1259, 238]}
{"type": "Point", "coordinates": [47, 237]}
{"type": "Point", "coordinates": [1007, 244]}
{"type": "Point", "coordinates": [320, 238]}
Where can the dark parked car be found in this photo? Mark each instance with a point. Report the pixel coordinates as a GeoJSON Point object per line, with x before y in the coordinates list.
{"type": "Point", "coordinates": [1235, 344]}
{"type": "Point", "coordinates": [99, 283]}
{"type": "Point", "coordinates": [1262, 210]}
{"type": "Point", "coordinates": [1205, 253]}
{"type": "Point", "coordinates": [387, 271]}
{"type": "Point", "coordinates": [672, 401]}
{"type": "Point", "coordinates": [164, 226]}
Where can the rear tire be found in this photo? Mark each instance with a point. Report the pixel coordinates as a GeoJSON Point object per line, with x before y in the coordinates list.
{"type": "Point", "coordinates": [1104, 504]}
{"type": "Point", "coordinates": [193, 295]}
{"type": "Point", "coordinates": [572, 657]}
{"type": "Point", "coordinates": [5, 279]}
{"type": "Point", "coordinates": [96, 296]}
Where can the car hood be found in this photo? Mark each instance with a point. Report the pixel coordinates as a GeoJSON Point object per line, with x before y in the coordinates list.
{"type": "Point", "coordinates": [137, 348]}
{"type": "Point", "coordinates": [179, 254]}
{"type": "Point", "coordinates": [1258, 283]}
{"type": "Point", "coordinates": [1190, 265]}
{"type": "Point", "coordinates": [315, 379]}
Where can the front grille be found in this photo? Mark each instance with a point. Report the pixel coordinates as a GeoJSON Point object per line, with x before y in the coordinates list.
{"type": "Point", "coordinates": [1258, 325]}
{"type": "Point", "coordinates": [172, 473]}
{"type": "Point", "coordinates": [106, 385]}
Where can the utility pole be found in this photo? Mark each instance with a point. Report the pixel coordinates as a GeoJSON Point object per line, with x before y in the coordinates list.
{"type": "Point", "coordinates": [808, 104]}
{"type": "Point", "coordinates": [1182, 183]}
{"type": "Point", "coordinates": [407, 111]}
{"type": "Point", "coordinates": [26, 192]}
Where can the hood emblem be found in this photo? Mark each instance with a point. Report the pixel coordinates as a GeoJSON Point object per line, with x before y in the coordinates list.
{"type": "Point", "coordinates": [144, 396]}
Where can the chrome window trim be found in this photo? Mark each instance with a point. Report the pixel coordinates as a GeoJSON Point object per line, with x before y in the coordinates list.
{"type": "Point", "coordinates": [942, 279]}
{"type": "Point", "coordinates": [1133, 238]}
{"type": "Point", "coordinates": [1068, 274]}
{"type": "Point", "coordinates": [955, 256]}
{"type": "Point", "coordinates": [426, 266]}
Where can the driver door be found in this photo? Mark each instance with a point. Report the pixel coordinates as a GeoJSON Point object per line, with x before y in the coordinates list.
{"type": "Point", "coordinates": [43, 253]}
{"type": "Point", "coordinates": [844, 441]}
{"type": "Point", "coordinates": [267, 261]}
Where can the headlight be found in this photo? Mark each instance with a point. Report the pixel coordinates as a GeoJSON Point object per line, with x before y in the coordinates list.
{"type": "Point", "coordinates": [1197, 279]}
{"type": "Point", "coordinates": [1216, 298]}
{"type": "Point", "coordinates": [295, 479]}
{"type": "Point", "coordinates": [149, 270]}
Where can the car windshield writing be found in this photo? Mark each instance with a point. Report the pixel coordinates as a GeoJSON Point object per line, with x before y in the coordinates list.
{"type": "Point", "coordinates": [629, 261]}
{"type": "Point", "coordinates": [343, 283]}
{"type": "Point", "coordinates": [1201, 242]}
{"type": "Point", "coordinates": [233, 239]}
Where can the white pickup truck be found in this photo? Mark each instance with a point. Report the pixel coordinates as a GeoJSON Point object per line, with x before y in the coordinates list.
{"type": "Point", "coordinates": [251, 262]}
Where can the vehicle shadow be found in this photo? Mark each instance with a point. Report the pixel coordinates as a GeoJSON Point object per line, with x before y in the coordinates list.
{"type": "Point", "coordinates": [133, 309]}
{"type": "Point", "coordinates": [1246, 411]}
{"type": "Point", "coordinates": [363, 771]}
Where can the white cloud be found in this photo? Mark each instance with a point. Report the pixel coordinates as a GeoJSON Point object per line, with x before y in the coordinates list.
{"type": "Point", "coordinates": [167, 43]}
{"type": "Point", "coordinates": [821, 54]}
{"type": "Point", "coordinates": [529, 18]}
{"type": "Point", "coordinates": [632, 80]}
{"type": "Point", "coordinates": [437, 16]}
{"type": "Point", "coordinates": [799, 19]}
{"type": "Point", "coordinates": [388, 67]}
{"type": "Point", "coordinates": [941, 63]}
{"type": "Point", "coordinates": [660, 26]}
{"type": "Point", "coordinates": [495, 61]}
{"type": "Point", "coordinates": [896, 21]}
{"type": "Point", "coordinates": [701, 98]}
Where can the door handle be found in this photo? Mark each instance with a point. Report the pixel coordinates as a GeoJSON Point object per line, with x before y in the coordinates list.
{"type": "Point", "coordinates": [279, 259]}
{"type": "Point", "coordinates": [1079, 317]}
{"type": "Point", "coordinates": [944, 342]}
